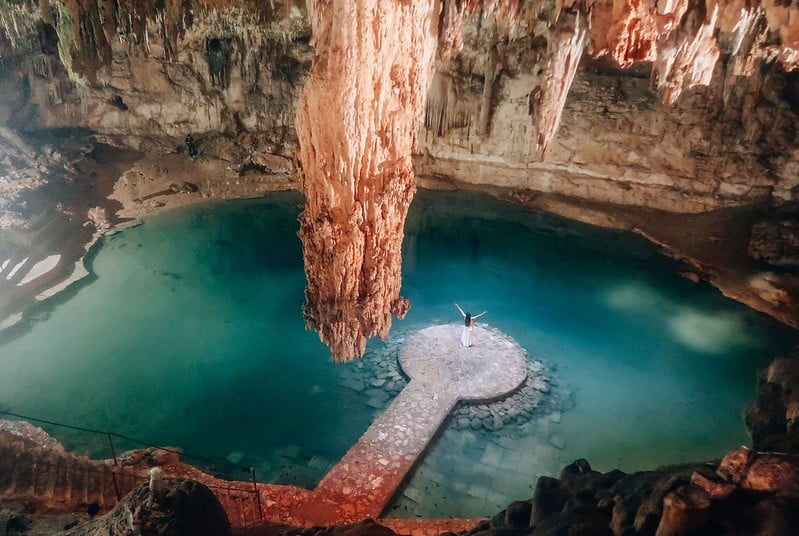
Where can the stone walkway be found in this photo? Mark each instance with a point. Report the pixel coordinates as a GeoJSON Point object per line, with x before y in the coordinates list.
{"type": "Point", "coordinates": [442, 373]}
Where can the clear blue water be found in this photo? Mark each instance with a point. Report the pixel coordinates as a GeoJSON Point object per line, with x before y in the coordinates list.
{"type": "Point", "coordinates": [190, 333]}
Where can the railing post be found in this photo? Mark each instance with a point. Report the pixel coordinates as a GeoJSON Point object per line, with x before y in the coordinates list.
{"type": "Point", "coordinates": [257, 494]}
{"type": "Point", "coordinates": [113, 451]}
{"type": "Point", "coordinates": [113, 471]}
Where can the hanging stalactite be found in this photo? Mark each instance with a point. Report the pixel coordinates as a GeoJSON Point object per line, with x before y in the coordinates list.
{"type": "Point", "coordinates": [356, 122]}
{"type": "Point", "coordinates": [566, 45]}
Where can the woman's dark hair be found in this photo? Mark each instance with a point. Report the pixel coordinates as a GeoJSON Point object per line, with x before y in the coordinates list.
{"type": "Point", "coordinates": [468, 320]}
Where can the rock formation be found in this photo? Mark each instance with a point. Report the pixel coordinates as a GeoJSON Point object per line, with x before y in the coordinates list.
{"type": "Point", "coordinates": [746, 493]}
{"type": "Point", "coordinates": [773, 420]}
{"type": "Point", "coordinates": [566, 43]}
{"type": "Point", "coordinates": [356, 122]}
{"type": "Point", "coordinates": [186, 508]}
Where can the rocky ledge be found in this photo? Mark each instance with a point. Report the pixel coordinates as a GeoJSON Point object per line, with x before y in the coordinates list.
{"type": "Point", "coordinates": [746, 493]}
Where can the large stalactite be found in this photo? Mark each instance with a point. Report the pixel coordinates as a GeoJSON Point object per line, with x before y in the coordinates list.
{"type": "Point", "coordinates": [356, 123]}
{"type": "Point", "coordinates": [566, 44]}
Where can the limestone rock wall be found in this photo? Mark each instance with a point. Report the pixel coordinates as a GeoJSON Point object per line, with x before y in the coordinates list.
{"type": "Point", "coordinates": [501, 108]}
{"type": "Point", "coordinates": [144, 74]}
{"type": "Point", "coordinates": [685, 111]}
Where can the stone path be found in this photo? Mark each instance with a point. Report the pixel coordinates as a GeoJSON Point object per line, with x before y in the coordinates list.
{"type": "Point", "coordinates": [442, 373]}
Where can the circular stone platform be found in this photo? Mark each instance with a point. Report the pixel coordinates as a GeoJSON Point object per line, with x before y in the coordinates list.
{"type": "Point", "coordinates": [492, 368]}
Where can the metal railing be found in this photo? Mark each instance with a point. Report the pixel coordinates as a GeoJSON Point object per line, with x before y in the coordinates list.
{"type": "Point", "coordinates": [204, 462]}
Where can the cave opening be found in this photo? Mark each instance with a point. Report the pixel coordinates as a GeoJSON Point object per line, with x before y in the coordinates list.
{"type": "Point", "coordinates": [218, 52]}
{"type": "Point", "coordinates": [48, 39]}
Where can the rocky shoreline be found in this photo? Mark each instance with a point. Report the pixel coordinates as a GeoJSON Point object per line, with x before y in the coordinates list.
{"type": "Point", "coordinates": [79, 195]}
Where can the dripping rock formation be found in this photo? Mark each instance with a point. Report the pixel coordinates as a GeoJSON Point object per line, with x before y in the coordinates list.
{"type": "Point", "coordinates": [357, 119]}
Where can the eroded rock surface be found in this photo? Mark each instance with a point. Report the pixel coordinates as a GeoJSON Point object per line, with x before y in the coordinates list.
{"type": "Point", "coordinates": [356, 121]}
{"type": "Point", "coordinates": [775, 239]}
{"type": "Point", "coordinates": [186, 508]}
{"type": "Point", "coordinates": [702, 498]}
{"type": "Point", "coordinates": [773, 420]}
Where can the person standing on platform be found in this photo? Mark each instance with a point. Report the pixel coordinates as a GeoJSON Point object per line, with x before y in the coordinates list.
{"type": "Point", "coordinates": [468, 325]}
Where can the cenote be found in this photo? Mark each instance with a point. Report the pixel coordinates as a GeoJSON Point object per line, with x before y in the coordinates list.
{"type": "Point", "coordinates": [189, 333]}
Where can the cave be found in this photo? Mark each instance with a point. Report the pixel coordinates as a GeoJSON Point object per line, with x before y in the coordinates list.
{"type": "Point", "coordinates": [218, 51]}
{"type": "Point", "coordinates": [452, 266]}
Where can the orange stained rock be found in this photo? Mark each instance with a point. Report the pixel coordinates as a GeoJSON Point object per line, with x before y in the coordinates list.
{"type": "Point", "coordinates": [685, 40]}
{"type": "Point", "coordinates": [629, 30]}
{"type": "Point", "coordinates": [567, 42]}
{"type": "Point", "coordinates": [689, 56]}
{"type": "Point", "coordinates": [356, 122]}
{"type": "Point", "coordinates": [357, 118]}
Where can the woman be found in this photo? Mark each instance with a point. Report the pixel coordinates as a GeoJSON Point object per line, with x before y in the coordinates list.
{"type": "Point", "coordinates": [468, 324]}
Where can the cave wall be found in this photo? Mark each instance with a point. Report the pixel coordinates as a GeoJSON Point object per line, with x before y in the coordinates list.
{"type": "Point", "coordinates": [144, 74]}
{"type": "Point", "coordinates": [623, 132]}
{"type": "Point", "coordinates": [637, 126]}
{"type": "Point", "coordinates": [666, 117]}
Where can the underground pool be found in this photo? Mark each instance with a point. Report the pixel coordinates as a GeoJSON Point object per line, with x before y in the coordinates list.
{"type": "Point", "coordinates": [189, 332]}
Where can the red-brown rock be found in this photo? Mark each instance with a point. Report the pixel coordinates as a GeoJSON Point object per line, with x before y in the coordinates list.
{"type": "Point", "coordinates": [715, 488]}
{"type": "Point", "coordinates": [356, 122]}
{"type": "Point", "coordinates": [733, 467]}
{"type": "Point", "coordinates": [684, 511]}
{"type": "Point", "coordinates": [772, 472]}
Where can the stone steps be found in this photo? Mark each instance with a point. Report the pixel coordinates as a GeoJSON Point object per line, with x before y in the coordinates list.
{"type": "Point", "coordinates": [59, 478]}
{"type": "Point", "coordinates": [62, 480]}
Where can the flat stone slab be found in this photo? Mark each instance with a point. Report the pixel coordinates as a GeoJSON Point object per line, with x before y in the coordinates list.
{"type": "Point", "coordinates": [492, 368]}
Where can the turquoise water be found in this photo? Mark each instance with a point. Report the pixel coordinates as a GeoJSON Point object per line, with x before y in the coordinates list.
{"type": "Point", "coordinates": [190, 333]}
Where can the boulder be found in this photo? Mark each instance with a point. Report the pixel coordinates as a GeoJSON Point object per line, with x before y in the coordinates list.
{"type": "Point", "coordinates": [776, 241]}
{"type": "Point", "coordinates": [517, 514]}
{"type": "Point", "coordinates": [187, 508]}
{"type": "Point", "coordinates": [716, 488]}
{"type": "Point", "coordinates": [773, 420]}
{"type": "Point", "coordinates": [685, 510]}
{"type": "Point", "coordinates": [548, 499]}
{"type": "Point", "coordinates": [772, 472]}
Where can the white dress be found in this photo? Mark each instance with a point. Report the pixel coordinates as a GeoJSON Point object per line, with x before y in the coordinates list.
{"type": "Point", "coordinates": [466, 336]}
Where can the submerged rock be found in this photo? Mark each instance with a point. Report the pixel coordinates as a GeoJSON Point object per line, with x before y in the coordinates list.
{"type": "Point", "coordinates": [235, 456]}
